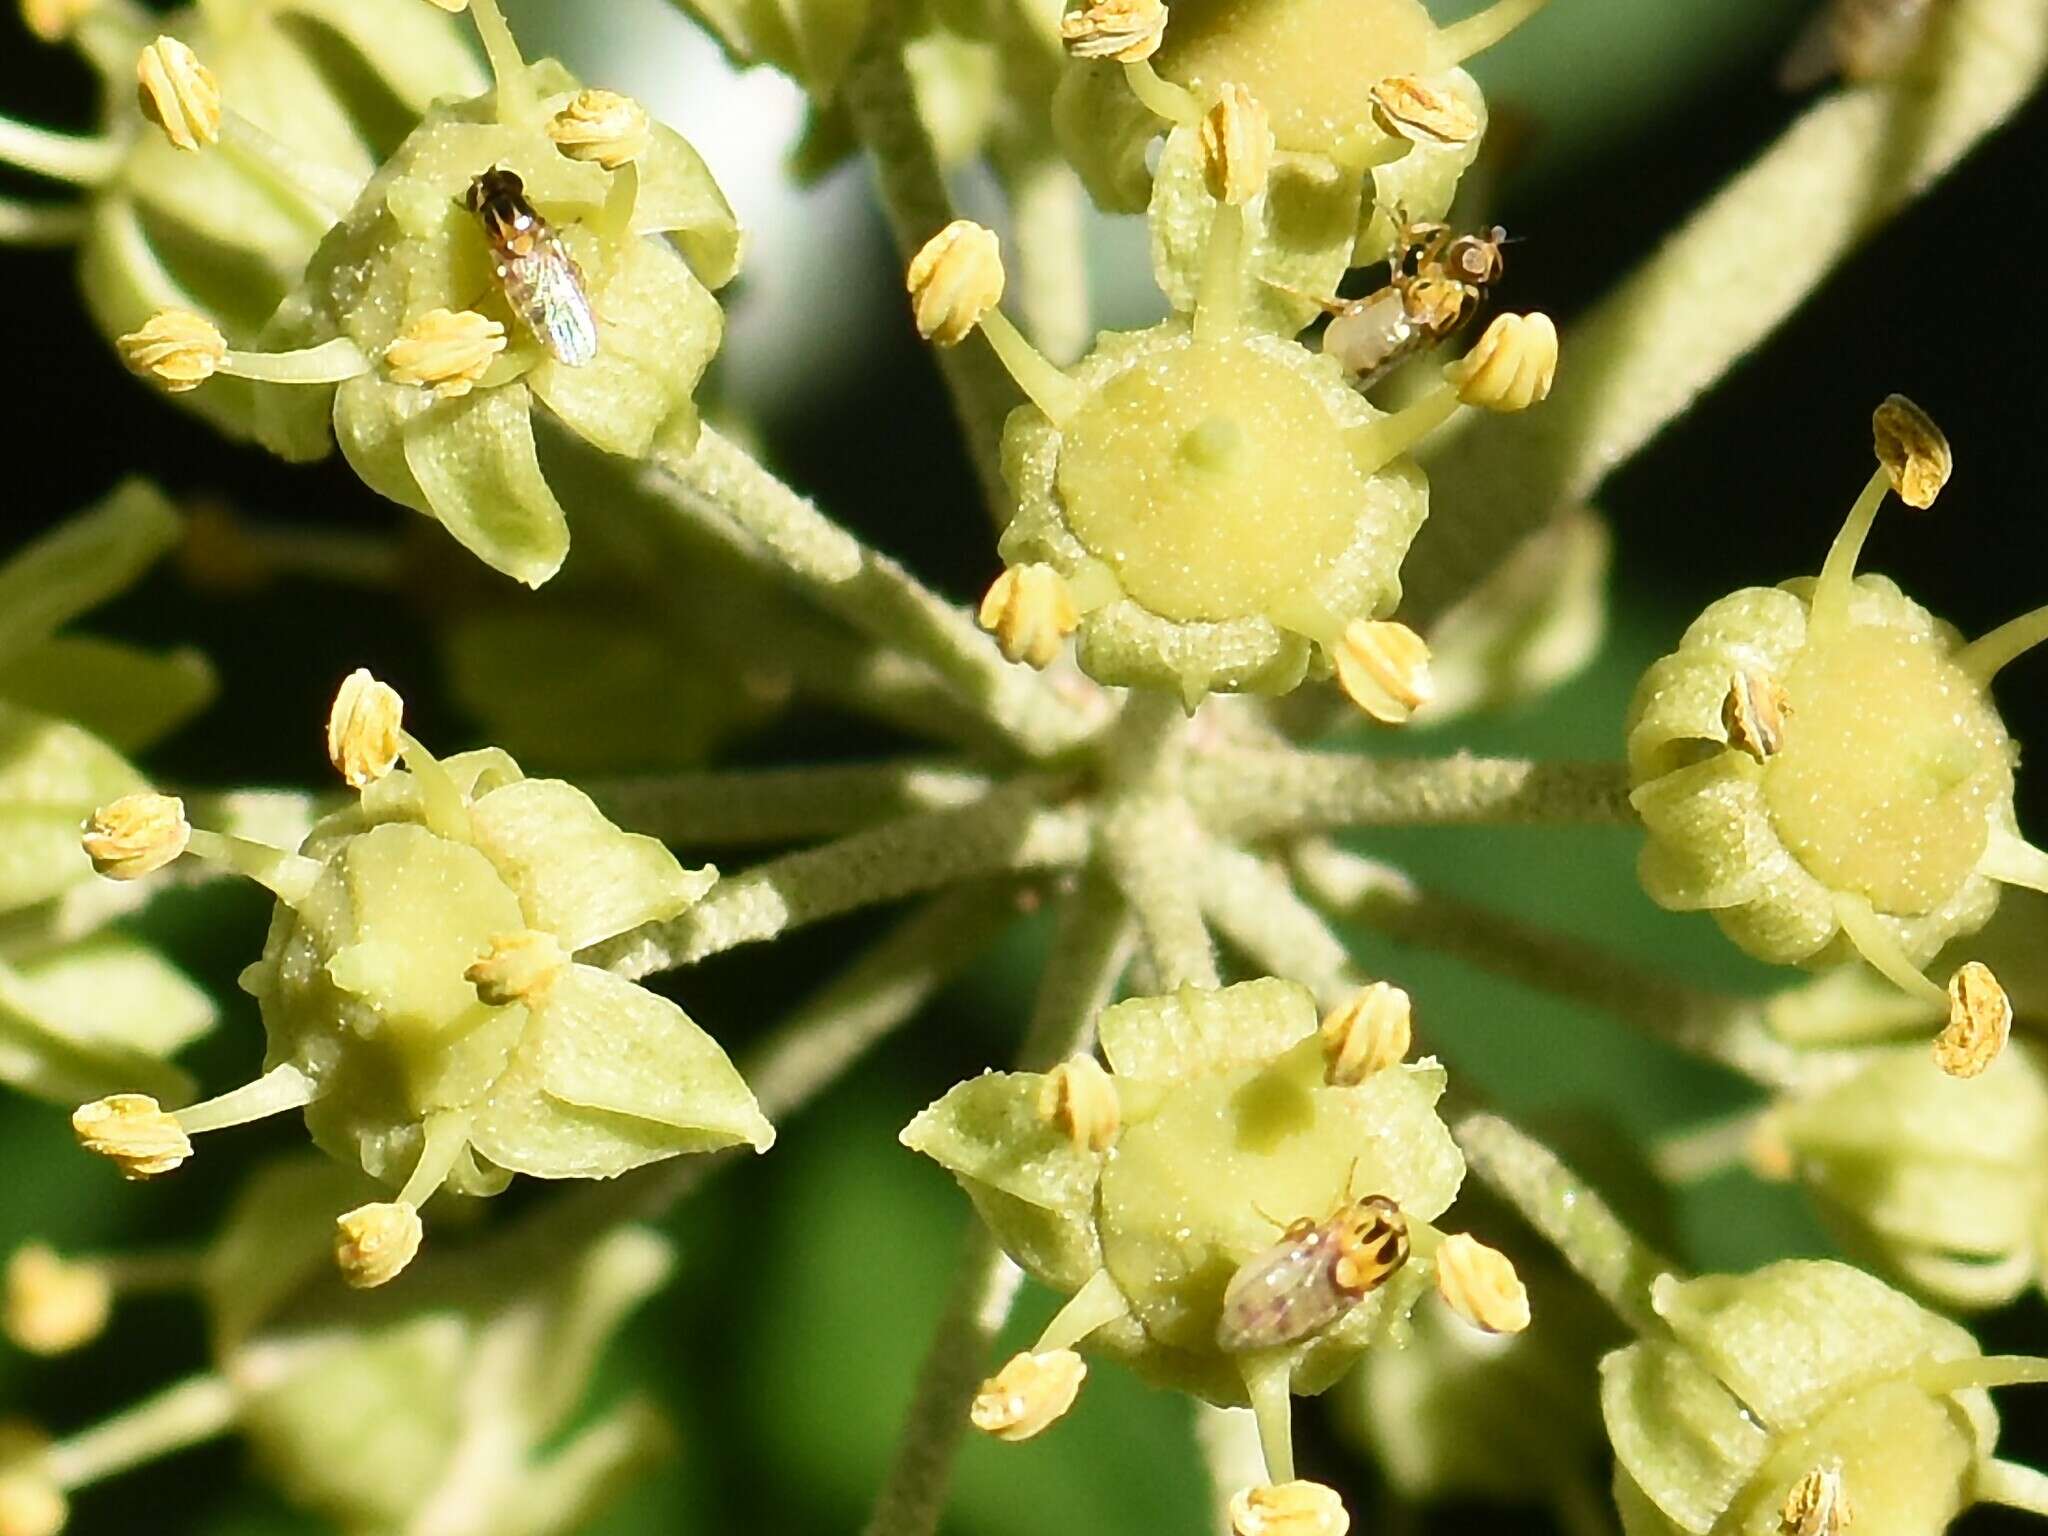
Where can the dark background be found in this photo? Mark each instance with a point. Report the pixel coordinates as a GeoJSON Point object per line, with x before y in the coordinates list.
{"type": "Point", "coordinates": [808, 1280]}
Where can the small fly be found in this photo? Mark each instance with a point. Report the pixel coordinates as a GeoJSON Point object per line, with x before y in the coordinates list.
{"type": "Point", "coordinates": [1313, 1276]}
{"type": "Point", "coordinates": [1859, 39]}
{"type": "Point", "coordinates": [1436, 282]}
{"type": "Point", "coordinates": [537, 273]}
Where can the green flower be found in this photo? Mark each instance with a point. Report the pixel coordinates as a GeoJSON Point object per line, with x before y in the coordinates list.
{"type": "Point", "coordinates": [1801, 1381]}
{"type": "Point", "coordinates": [1139, 1193]}
{"type": "Point", "coordinates": [422, 1001]}
{"type": "Point", "coordinates": [1821, 766]}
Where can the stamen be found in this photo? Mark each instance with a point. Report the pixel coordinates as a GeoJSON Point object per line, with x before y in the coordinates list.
{"type": "Point", "coordinates": [1366, 1033]}
{"type": "Point", "coordinates": [1174, 103]}
{"type": "Point", "coordinates": [446, 1137]}
{"type": "Point", "coordinates": [1127, 31]}
{"type": "Point", "coordinates": [602, 127]}
{"type": "Point", "coordinates": [1295, 1508]}
{"type": "Point", "coordinates": [136, 835]}
{"type": "Point", "coordinates": [440, 799]}
{"type": "Point", "coordinates": [373, 1243]}
{"type": "Point", "coordinates": [193, 1410]}
{"type": "Point", "coordinates": [1458, 42]}
{"type": "Point", "coordinates": [1988, 655]}
{"type": "Point", "coordinates": [1029, 1394]}
{"type": "Point", "coordinates": [1030, 610]}
{"type": "Point", "coordinates": [325, 193]}
{"type": "Point", "coordinates": [363, 729]}
{"type": "Point", "coordinates": [516, 100]}
{"type": "Point", "coordinates": [1096, 1305]}
{"type": "Point", "coordinates": [2011, 860]}
{"type": "Point", "coordinates": [1218, 299]}
{"type": "Point", "coordinates": [284, 1087]}
{"type": "Point", "coordinates": [287, 876]}
{"type": "Point", "coordinates": [1831, 594]}
{"type": "Point", "coordinates": [1269, 1383]}
{"type": "Point", "coordinates": [54, 1304]}
{"type": "Point", "coordinates": [1237, 146]}
{"type": "Point", "coordinates": [1480, 1285]}
{"type": "Point", "coordinates": [1979, 1022]}
{"type": "Point", "coordinates": [182, 350]}
{"type": "Point", "coordinates": [1980, 1371]}
{"type": "Point", "coordinates": [84, 162]}
{"type": "Point", "coordinates": [1874, 942]}
{"type": "Point", "coordinates": [40, 223]}
{"type": "Point", "coordinates": [1056, 396]}
{"type": "Point", "coordinates": [178, 93]}
{"type": "Point", "coordinates": [1080, 1098]}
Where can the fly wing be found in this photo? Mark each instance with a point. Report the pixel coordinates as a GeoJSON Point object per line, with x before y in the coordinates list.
{"type": "Point", "coordinates": [558, 308]}
{"type": "Point", "coordinates": [1278, 1297]}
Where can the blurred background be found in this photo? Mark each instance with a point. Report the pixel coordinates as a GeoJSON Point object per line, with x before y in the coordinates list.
{"type": "Point", "coordinates": [809, 1279]}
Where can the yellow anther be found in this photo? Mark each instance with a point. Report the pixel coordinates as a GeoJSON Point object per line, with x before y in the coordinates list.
{"type": "Point", "coordinates": [53, 1305]}
{"type": "Point", "coordinates": [1368, 1032]}
{"type": "Point", "coordinates": [1480, 1285]}
{"type": "Point", "coordinates": [1237, 146]}
{"type": "Point", "coordinates": [177, 348]}
{"type": "Point", "coordinates": [601, 126]}
{"type": "Point", "coordinates": [1753, 714]}
{"type": "Point", "coordinates": [1030, 611]}
{"type": "Point", "coordinates": [31, 1503]}
{"type": "Point", "coordinates": [178, 93]}
{"type": "Point", "coordinates": [136, 835]}
{"type": "Point", "coordinates": [372, 1243]}
{"type": "Point", "coordinates": [446, 350]}
{"type": "Point", "coordinates": [363, 729]}
{"type": "Point", "coordinates": [1979, 1022]}
{"type": "Point", "coordinates": [954, 280]}
{"type": "Point", "coordinates": [1818, 1505]}
{"type": "Point", "coordinates": [134, 1132]}
{"type": "Point", "coordinates": [1413, 109]}
{"type": "Point", "coordinates": [519, 968]}
{"type": "Point", "coordinates": [1299, 1508]}
{"type": "Point", "coordinates": [53, 20]}
{"type": "Point", "coordinates": [1028, 1394]}
{"type": "Point", "coordinates": [1383, 668]}
{"type": "Point", "coordinates": [1080, 1098]}
{"type": "Point", "coordinates": [1512, 366]}
{"type": "Point", "coordinates": [1128, 31]}
{"type": "Point", "coordinates": [1912, 449]}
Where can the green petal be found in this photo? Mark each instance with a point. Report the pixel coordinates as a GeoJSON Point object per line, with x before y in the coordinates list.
{"type": "Point", "coordinates": [1678, 1433]}
{"type": "Point", "coordinates": [52, 776]}
{"type": "Point", "coordinates": [81, 563]}
{"type": "Point", "coordinates": [95, 1020]}
{"type": "Point", "coordinates": [415, 52]}
{"type": "Point", "coordinates": [129, 698]}
{"type": "Point", "coordinates": [610, 1076]}
{"type": "Point", "coordinates": [659, 328]}
{"type": "Point", "coordinates": [277, 1237]}
{"type": "Point", "coordinates": [679, 198]}
{"type": "Point", "coordinates": [579, 877]}
{"type": "Point", "coordinates": [989, 1131]}
{"type": "Point", "coordinates": [605, 1285]}
{"type": "Point", "coordinates": [1196, 1030]}
{"type": "Point", "coordinates": [369, 424]}
{"type": "Point", "coordinates": [474, 461]}
{"type": "Point", "coordinates": [576, 1482]}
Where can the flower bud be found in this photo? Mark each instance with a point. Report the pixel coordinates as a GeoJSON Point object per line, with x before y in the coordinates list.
{"type": "Point", "coordinates": [372, 1243]}
{"type": "Point", "coordinates": [1030, 611]}
{"type": "Point", "coordinates": [1383, 668]}
{"type": "Point", "coordinates": [1512, 367]}
{"type": "Point", "coordinates": [52, 1305]}
{"type": "Point", "coordinates": [1299, 1508]}
{"type": "Point", "coordinates": [133, 1132]}
{"type": "Point", "coordinates": [1366, 1033]}
{"type": "Point", "coordinates": [1237, 146]}
{"type": "Point", "coordinates": [1029, 1394]}
{"type": "Point", "coordinates": [1979, 1021]}
{"type": "Point", "coordinates": [364, 729]}
{"type": "Point", "coordinates": [445, 350]}
{"type": "Point", "coordinates": [1127, 31]}
{"type": "Point", "coordinates": [1080, 1098]}
{"type": "Point", "coordinates": [178, 93]}
{"type": "Point", "coordinates": [954, 280]}
{"type": "Point", "coordinates": [177, 348]}
{"type": "Point", "coordinates": [136, 835]}
{"type": "Point", "coordinates": [603, 127]}
{"type": "Point", "coordinates": [1480, 1285]}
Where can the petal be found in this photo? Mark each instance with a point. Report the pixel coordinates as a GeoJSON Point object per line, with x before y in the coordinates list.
{"type": "Point", "coordinates": [610, 1076]}
{"type": "Point", "coordinates": [579, 877]}
{"type": "Point", "coordinates": [52, 776]}
{"type": "Point", "coordinates": [678, 197]}
{"type": "Point", "coordinates": [474, 461]}
{"type": "Point", "coordinates": [65, 1040]}
{"type": "Point", "coordinates": [1196, 1030]}
{"type": "Point", "coordinates": [1711, 840]}
{"type": "Point", "coordinates": [81, 563]}
{"type": "Point", "coordinates": [128, 697]}
{"type": "Point", "coordinates": [116, 989]}
{"type": "Point", "coordinates": [1678, 1433]}
{"type": "Point", "coordinates": [609, 1280]}
{"type": "Point", "coordinates": [989, 1131]}
{"type": "Point", "coordinates": [413, 52]}
{"type": "Point", "coordinates": [658, 329]}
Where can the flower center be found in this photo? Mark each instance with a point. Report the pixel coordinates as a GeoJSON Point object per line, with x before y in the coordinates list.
{"type": "Point", "coordinates": [1892, 761]}
{"type": "Point", "coordinates": [1212, 480]}
{"type": "Point", "coordinates": [1310, 63]}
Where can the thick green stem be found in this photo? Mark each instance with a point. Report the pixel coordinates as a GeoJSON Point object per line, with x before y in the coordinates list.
{"type": "Point", "coordinates": [751, 806]}
{"type": "Point", "coordinates": [1148, 838]}
{"type": "Point", "coordinates": [883, 102]}
{"type": "Point", "coordinates": [1008, 830]}
{"type": "Point", "coordinates": [1567, 1213]}
{"type": "Point", "coordinates": [1261, 794]}
{"type": "Point", "coordinates": [1256, 908]}
{"type": "Point", "coordinates": [1719, 286]}
{"type": "Point", "coordinates": [1730, 1031]}
{"type": "Point", "coordinates": [1090, 953]}
{"type": "Point", "coordinates": [720, 487]}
